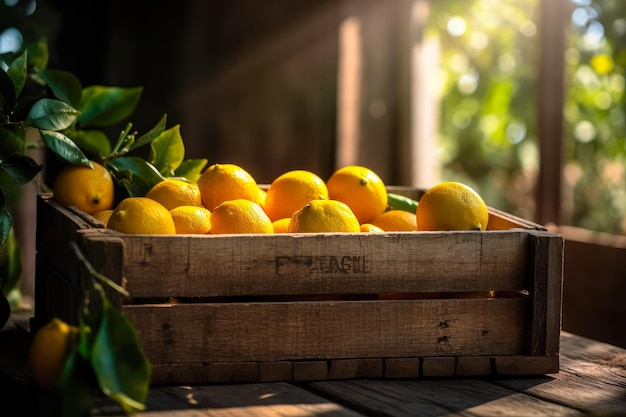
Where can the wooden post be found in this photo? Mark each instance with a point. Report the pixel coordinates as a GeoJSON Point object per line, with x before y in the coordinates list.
{"type": "Point", "coordinates": [550, 94]}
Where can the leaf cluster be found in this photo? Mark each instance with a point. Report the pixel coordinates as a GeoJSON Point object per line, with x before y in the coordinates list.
{"type": "Point", "coordinates": [41, 107]}
{"type": "Point", "coordinates": [106, 358]}
{"type": "Point", "coordinates": [71, 120]}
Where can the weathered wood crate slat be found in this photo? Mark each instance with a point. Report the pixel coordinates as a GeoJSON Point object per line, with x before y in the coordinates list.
{"type": "Point", "coordinates": [316, 307]}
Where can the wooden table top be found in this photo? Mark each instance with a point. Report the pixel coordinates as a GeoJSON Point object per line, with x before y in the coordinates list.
{"type": "Point", "coordinates": [591, 381]}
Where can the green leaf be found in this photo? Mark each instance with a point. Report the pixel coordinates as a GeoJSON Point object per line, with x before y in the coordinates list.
{"type": "Point", "coordinates": [20, 167]}
{"type": "Point", "coordinates": [104, 106]}
{"type": "Point", "coordinates": [152, 134]}
{"type": "Point", "coordinates": [92, 141]}
{"type": "Point", "coordinates": [135, 174]}
{"type": "Point", "coordinates": [18, 72]}
{"type": "Point", "coordinates": [64, 85]}
{"type": "Point", "coordinates": [121, 367]}
{"type": "Point", "coordinates": [167, 151]}
{"type": "Point", "coordinates": [7, 96]}
{"type": "Point", "coordinates": [6, 223]}
{"type": "Point", "coordinates": [76, 392]}
{"type": "Point", "coordinates": [38, 53]}
{"type": "Point", "coordinates": [64, 147]}
{"type": "Point", "coordinates": [49, 114]}
{"type": "Point", "coordinates": [11, 143]}
{"type": "Point", "coordinates": [191, 169]}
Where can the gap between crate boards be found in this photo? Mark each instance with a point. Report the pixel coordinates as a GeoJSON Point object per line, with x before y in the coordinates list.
{"type": "Point", "coordinates": [456, 295]}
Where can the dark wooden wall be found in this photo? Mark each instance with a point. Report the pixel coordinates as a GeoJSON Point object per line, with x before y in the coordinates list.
{"type": "Point", "coordinates": [254, 83]}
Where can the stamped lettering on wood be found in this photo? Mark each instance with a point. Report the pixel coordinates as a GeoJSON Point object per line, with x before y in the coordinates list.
{"type": "Point", "coordinates": [322, 264]}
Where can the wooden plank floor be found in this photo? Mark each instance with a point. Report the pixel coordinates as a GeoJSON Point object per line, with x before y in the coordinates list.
{"type": "Point", "coordinates": [591, 382]}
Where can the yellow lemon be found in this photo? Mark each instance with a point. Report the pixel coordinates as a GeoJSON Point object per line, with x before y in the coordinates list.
{"type": "Point", "coordinates": [291, 191]}
{"type": "Point", "coordinates": [172, 193]}
{"type": "Point", "coordinates": [261, 197]}
{"type": "Point", "coordinates": [396, 221]}
{"type": "Point", "coordinates": [48, 351]}
{"type": "Point", "coordinates": [191, 220]}
{"type": "Point", "coordinates": [281, 225]}
{"type": "Point", "coordinates": [361, 189]}
{"type": "Point", "coordinates": [103, 216]}
{"type": "Point", "coordinates": [141, 215]}
{"type": "Point", "coordinates": [240, 216]}
{"type": "Point", "coordinates": [91, 190]}
{"type": "Point", "coordinates": [324, 216]}
{"type": "Point", "coordinates": [223, 182]}
{"type": "Point", "coordinates": [451, 206]}
{"type": "Point", "coordinates": [370, 228]}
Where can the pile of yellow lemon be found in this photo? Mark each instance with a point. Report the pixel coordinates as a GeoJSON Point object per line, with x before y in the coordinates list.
{"type": "Point", "coordinates": [227, 200]}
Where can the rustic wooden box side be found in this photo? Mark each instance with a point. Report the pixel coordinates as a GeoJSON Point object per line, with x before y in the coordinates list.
{"type": "Point", "coordinates": [249, 308]}
{"type": "Point", "coordinates": [223, 332]}
{"type": "Point", "coordinates": [324, 264]}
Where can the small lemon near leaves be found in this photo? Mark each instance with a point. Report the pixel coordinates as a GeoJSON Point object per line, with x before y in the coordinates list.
{"type": "Point", "coordinates": [89, 189]}
{"type": "Point", "coordinates": [48, 351]}
{"type": "Point", "coordinates": [451, 206]}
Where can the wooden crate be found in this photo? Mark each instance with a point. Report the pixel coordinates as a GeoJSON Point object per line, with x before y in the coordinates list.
{"type": "Point", "coordinates": [317, 307]}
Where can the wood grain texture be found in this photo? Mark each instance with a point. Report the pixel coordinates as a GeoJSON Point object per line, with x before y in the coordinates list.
{"type": "Point", "coordinates": [449, 397]}
{"type": "Point", "coordinates": [438, 366]}
{"type": "Point", "coordinates": [355, 368]}
{"type": "Point", "coordinates": [402, 367]}
{"type": "Point", "coordinates": [240, 400]}
{"type": "Point", "coordinates": [275, 371]}
{"type": "Point", "coordinates": [202, 266]}
{"type": "Point", "coordinates": [592, 378]}
{"type": "Point", "coordinates": [526, 365]}
{"type": "Point", "coordinates": [546, 280]}
{"type": "Point", "coordinates": [473, 365]}
{"type": "Point", "coordinates": [226, 332]}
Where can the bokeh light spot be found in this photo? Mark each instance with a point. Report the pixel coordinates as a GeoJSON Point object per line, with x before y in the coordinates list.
{"type": "Point", "coordinates": [585, 131]}
{"type": "Point", "coordinates": [456, 26]}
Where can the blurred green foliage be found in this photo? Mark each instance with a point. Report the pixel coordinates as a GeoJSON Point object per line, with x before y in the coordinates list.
{"type": "Point", "coordinates": [595, 125]}
{"type": "Point", "coordinates": [489, 61]}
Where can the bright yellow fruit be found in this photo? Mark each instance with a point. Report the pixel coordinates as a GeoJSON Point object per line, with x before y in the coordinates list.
{"type": "Point", "coordinates": [370, 228]}
{"type": "Point", "coordinates": [103, 216]}
{"type": "Point", "coordinates": [240, 216]}
{"type": "Point", "coordinates": [291, 191]}
{"type": "Point", "coordinates": [261, 196]}
{"type": "Point", "coordinates": [451, 206]}
{"type": "Point", "coordinates": [191, 220]}
{"type": "Point", "coordinates": [281, 225]}
{"type": "Point", "coordinates": [361, 189]}
{"type": "Point", "coordinates": [223, 182]}
{"type": "Point", "coordinates": [49, 350]}
{"type": "Point", "coordinates": [172, 193]}
{"type": "Point", "coordinates": [396, 221]}
{"type": "Point", "coordinates": [91, 190]}
{"type": "Point", "coordinates": [141, 215]}
{"type": "Point", "coordinates": [324, 216]}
